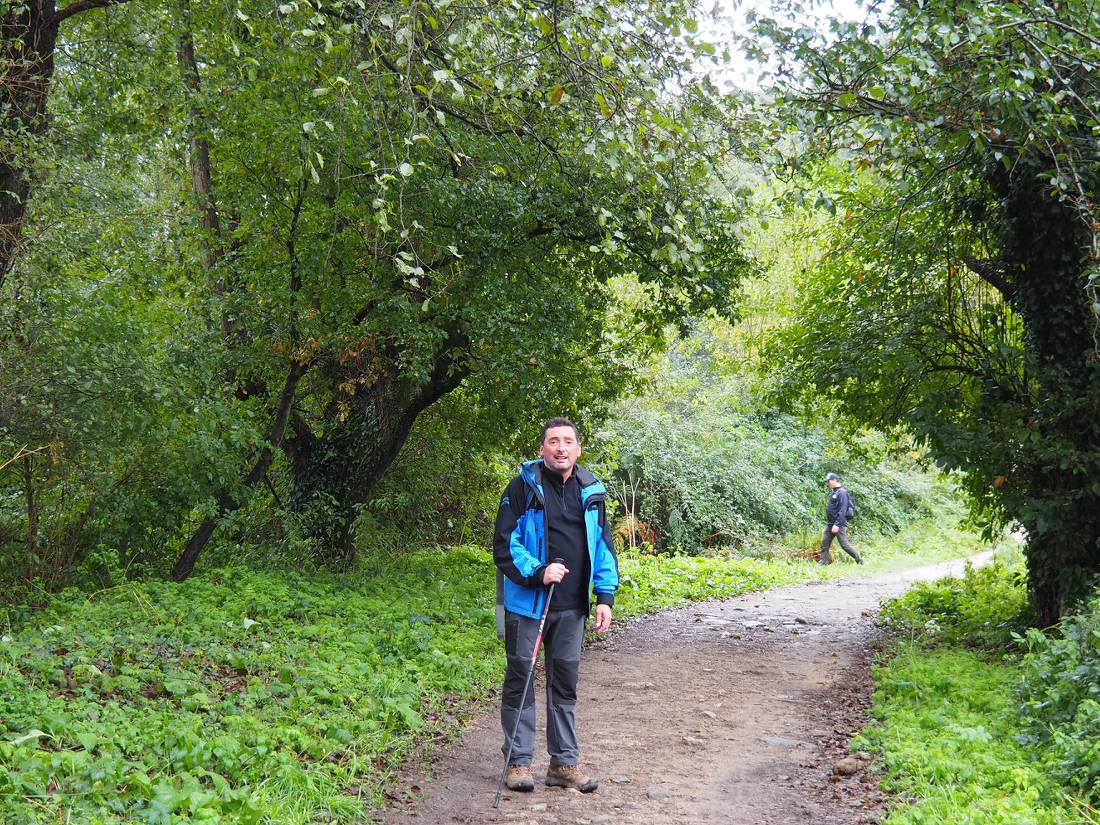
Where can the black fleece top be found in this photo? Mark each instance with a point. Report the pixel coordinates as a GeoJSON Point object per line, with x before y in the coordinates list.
{"type": "Point", "coordinates": [565, 534]}
{"type": "Point", "coordinates": [515, 501]}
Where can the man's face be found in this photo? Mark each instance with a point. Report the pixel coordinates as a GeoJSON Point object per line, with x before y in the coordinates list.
{"type": "Point", "coordinates": [833, 483]}
{"type": "Point", "coordinates": [560, 450]}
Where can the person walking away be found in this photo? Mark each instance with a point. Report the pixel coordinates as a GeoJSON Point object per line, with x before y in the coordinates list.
{"type": "Point", "coordinates": [837, 509]}
{"type": "Point", "coordinates": [553, 508]}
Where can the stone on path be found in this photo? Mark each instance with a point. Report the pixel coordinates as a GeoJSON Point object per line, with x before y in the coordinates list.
{"type": "Point", "coordinates": [848, 766]}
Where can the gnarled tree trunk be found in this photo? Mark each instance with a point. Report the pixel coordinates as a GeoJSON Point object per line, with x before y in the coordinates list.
{"type": "Point", "coordinates": [334, 472]}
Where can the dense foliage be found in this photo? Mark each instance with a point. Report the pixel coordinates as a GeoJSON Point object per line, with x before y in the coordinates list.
{"type": "Point", "coordinates": [701, 461]}
{"type": "Point", "coordinates": [954, 142]}
{"type": "Point", "coordinates": [1060, 699]}
{"type": "Point", "coordinates": [970, 734]}
{"type": "Point", "coordinates": [250, 244]}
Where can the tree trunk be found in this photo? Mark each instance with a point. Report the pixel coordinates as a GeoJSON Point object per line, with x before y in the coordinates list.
{"type": "Point", "coordinates": [1046, 243]}
{"type": "Point", "coordinates": [29, 31]}
{"type": "Point", "coordinates": [199, 155]}
{"type": "Point", "coordinates": [334, 473]}
{"type": "Point", "coordinates": [226, 501]}
{"type": "Point", "coordinates": [202, 187]}
{"type": "Point", "coordinates": [32, 517]}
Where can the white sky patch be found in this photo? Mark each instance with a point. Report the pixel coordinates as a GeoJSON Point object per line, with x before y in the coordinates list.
{"type": "Point", "coordinates": [723, 23]}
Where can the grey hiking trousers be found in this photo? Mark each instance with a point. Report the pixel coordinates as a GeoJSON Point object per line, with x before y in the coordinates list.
{"type": "Point", "coordinates": [561, 650]}
{"type": "Point", "coordinates": [842, 537]}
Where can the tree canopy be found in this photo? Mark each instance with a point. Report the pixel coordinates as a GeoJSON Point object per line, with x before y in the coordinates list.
{"type": "Point", "coordinates": [956, 145]}
{"type": "Point", "coordinates": [303, 224]}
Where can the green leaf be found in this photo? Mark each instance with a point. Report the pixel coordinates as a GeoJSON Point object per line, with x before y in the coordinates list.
{"type": "Point", "coordinates": [30, 736]}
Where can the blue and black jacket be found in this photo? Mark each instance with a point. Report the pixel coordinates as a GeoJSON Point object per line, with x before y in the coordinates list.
{"type": "Point", "coordinates": [520, 546]}
{"type": "Point", "coordinates": [836, 509]}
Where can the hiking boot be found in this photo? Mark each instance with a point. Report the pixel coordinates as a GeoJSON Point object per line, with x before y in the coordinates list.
{"type": "Point", "coordinates": [570, 776]}
{"type": "Point", "coordinates": [519, 778]}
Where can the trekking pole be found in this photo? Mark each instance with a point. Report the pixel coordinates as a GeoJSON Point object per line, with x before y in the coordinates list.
{"type": "Point", "coordinates": [526, 687]}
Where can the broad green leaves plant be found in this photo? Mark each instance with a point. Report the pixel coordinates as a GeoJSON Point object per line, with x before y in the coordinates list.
{"type": "Point", "coordinates": [245, 697]}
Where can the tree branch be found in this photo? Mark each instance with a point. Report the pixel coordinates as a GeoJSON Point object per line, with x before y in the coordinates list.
{"type": "Point", "coordinates": [992, 272]}
{"type": "Point", "coordinates": [82, 6]}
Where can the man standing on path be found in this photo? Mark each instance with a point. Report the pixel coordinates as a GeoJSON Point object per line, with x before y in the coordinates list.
{"type": "Point", "coordinates": [552, 509]}
{"type": "Point", "coordinates": [837, 511]}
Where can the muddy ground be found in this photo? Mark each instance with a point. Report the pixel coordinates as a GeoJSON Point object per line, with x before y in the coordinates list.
{"type": "Point", "coordinates": [735, 711]}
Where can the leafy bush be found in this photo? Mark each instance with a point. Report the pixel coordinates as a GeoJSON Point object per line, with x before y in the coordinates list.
{"type": "Point", "coordinates": [985, 608]}
{"type": "Point", "coordinates": [707, 464]}
{"type": "Point", "coordinates": [1060, 699]}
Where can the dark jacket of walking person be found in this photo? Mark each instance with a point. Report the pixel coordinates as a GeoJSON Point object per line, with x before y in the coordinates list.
{"type": "Point", "coordinates": [836, 514]}
{"type": "Point", "coordinates": [554, 509]}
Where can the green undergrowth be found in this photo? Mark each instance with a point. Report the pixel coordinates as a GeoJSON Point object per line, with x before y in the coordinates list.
{"type": "Point", "coordinates": [1060, 700]}
{"type": "Point", "coordinates": [239, 696]}
{"type": "Point", "coordinates": [976, 723]}
{"type": "Point", "coordinates": [251, 696]}
{"type": "Point", "coordinates": [946, 735]}
{"type": "Point", "coordinates": [985, 608]}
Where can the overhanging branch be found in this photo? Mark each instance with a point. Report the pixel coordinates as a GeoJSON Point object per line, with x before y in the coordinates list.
{"type": "Point", "coordinates": [992, 272]}
{"type": "Point", "coordinates": [81, 6]}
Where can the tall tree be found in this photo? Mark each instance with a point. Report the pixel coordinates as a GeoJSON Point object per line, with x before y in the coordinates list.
{"type": "Point", "coordinates": [956, 142]}
{"type": "Point", "coordinates": [434, 195]}
{"type": "Point", "coordinates": [29, 31]}
{"type": "Point", "coordinates": [384, 201]}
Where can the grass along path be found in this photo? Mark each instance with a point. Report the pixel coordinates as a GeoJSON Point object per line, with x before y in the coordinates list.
{"type": "Point", "coordinates": [970, 718]}
{"type": "Point", "coordinates": [947, 740]}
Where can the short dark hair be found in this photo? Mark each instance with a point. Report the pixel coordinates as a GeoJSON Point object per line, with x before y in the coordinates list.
{"type": "Point", "coordinates": [559, 422]}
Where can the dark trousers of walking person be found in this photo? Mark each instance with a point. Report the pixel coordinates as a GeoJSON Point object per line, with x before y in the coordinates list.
{"type": "Point", "coordinates": [561, 649]}
{"type": "Point", "coordinates": [842, 536]}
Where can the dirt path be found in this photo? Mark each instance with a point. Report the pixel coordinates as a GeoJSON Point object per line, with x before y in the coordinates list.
{"type": "Point", "coordinates": [732, 712]}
